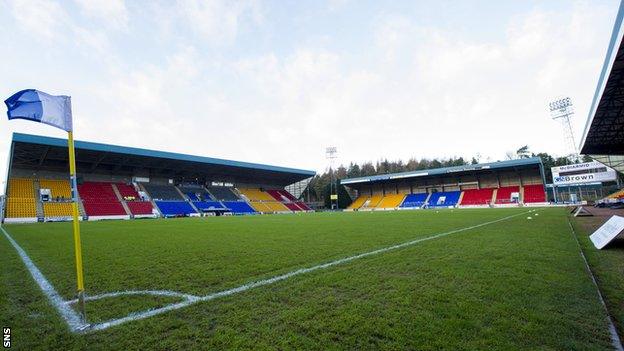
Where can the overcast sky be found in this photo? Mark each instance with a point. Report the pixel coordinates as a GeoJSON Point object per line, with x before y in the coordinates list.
{"type": "Point", "coordinates": [277, 81]}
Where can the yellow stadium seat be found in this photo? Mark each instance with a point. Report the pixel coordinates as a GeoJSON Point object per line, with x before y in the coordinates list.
{"type": "Point", "coordinates": [58, 188]}
{"type": "Point", "coordinates": [275, 206]}
{"type": "Point", "coordinates": [256, 194]}
{"type": "Point", "coordinates": [21, 198]}
{"type": "Point", "coordinates": [358, 202]}
{"type": "Point", "coordinates": [57, 209]}
{"type": "Point", "coordinates": [373, 201]}
{"type": "Point", "coordinates": [616, 195]}
{"type": "Point", "coordinates": [391, 201]}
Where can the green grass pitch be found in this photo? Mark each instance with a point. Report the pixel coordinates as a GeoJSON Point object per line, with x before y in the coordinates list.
{"type": "Point", "coordinates": [515, 284]}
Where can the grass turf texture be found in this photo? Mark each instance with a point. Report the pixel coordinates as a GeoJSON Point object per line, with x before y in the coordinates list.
{"type": "Point", "coordinates": [607, 265]}
{"type": "Point", "coordinates": [517, 284]}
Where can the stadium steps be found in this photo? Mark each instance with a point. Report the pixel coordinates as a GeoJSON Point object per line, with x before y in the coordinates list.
{"type": "Point", "coordinates": [38, 204]}
{"type": "Point", "coordinates": [461, 198]}
{"type": "Point", "coordinates": [209, 193]}
{"type": "Point", "coordinates": [494, 195]}
{"type": "Point", "coordinates": [151, 199]}
{"type": "Point", "coordinates": [358, 202]}
{"type": "Point", "coordinates": [121, 199]}
{"type": "Point", "coordinates": [521, 200]}
{"type": "Point", "coordinates": [427, 199]}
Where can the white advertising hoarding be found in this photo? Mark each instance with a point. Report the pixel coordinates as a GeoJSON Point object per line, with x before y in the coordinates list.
{"type": "Point", "coordinates": [580, 173]}
{"type": "Point", "coordinates": [609, 231]}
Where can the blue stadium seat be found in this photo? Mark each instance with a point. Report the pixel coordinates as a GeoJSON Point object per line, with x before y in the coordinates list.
{"type": "Point", "coordinates": [175, 208]}
{"type": "Point", "coordinates": [193, 196]}
{"type": "Point", "coordinates": [208, 205]}
{"type": "Point", "coordinates": [239, 207]}
{"type": "Point", "coordinates": [444, 199]}
{"type": "Point", "coordinates": [414, 200]}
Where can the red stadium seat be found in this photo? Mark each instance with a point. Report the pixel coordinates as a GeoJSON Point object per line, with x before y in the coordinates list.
{"type": "Point", "coordinates": [99, 199]}
{"type": "Point", "coordinates": [503, 195]}
{"type": "Point", "coordinates": [477, 197]}
{"type": "Point", "coordinates": [534, 193]}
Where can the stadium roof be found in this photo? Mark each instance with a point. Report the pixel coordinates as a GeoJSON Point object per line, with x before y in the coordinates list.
{"type": "Point", "coordinates": [40, 153]}
{"type": "Point", "coordinates": [456, 170]}
{"type": "Point", "coordinates": [604, 130]}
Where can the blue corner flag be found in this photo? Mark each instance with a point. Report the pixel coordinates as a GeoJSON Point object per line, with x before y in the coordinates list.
{"type": "Point", "coordinates": [35, 105]}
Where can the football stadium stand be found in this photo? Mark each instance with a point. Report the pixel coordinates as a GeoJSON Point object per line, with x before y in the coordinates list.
{"type": "Point", "coordinates": [140, 207]}
{"type": "Point", "coordinates": [175, 208]}
{"type": "Point", "coordinates": [195, 192]}
{"type": "Point", "coordinates": [358, 202]}
{"type": "Point", "coordinates": [21, 198]}
{"type": "Point", "coordinates": [391, 201]}
{"type": "Point", "coordinates": [99, 199]}
{"type": "Point", "coordinates": [503, 194]}
{"type": "Point", "coordinates": [57, 209]}
{"type": "Point", "coordinates": [288, 200]}
{"type": "Point", "coordinates": [302, 205]}
{"type": "Point", "coordinates": [477, 197]}
{"type": "Point", "coordinates": [222, 193]}
{"type": "Point", "coordinates": [616, 195]}
{"type": "Point", "coordinates": [534, 193]}
{"type": "Point", "coordinates": [127, 192]}
{"type": "Point", "coordinates": [119, 182]}
{"type": "Point", "coordinates": [207, 206]}
{"type": "Point", "coordinates": [58, 188]}
{"type": "Point", "coordinates": [256, 194]}
{"type": "Point", "coordinates": [414, 200]}
{"type": "Point", "coordinates": [372, 201]}
{"type": "Point", "coordinates": [444, 199]}
{"type": "Point", "coordinates": [262, 201]}
{"type": "Point", "coordinates": [163, 192]}
{"type": "Point", "coordinates": [239, 207]}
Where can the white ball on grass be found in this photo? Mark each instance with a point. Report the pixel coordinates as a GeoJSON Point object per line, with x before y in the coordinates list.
{"type": "Point", "coordinates": [529, 217]}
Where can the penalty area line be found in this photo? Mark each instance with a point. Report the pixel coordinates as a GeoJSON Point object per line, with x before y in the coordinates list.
{"type": "Point", "coordinates": [153, 312]}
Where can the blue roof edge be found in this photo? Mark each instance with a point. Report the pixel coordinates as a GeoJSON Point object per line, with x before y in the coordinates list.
{"type": "Point", "coordinates": [445, 170]}
{"type": "Point", "coordinates": [86, 145]}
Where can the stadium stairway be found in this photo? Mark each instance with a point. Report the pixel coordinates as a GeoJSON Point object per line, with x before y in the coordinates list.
{"type": "Point", "coordinates": [121, 199]}
{"type": "Point", "coordinates": [150, 199]}
{"type": "Point", "coordinates": [494, 195]}
{"type": "Point", "coordinates": [417, 200]}
{"type": "Point", "coordinates": [188, 199]}
{"type": "Point", "coordinates": [461, 197]}
{"type": "Point", "coordinates": [38, 204]}
{"type": "Point", "coordinates": [359, 202]}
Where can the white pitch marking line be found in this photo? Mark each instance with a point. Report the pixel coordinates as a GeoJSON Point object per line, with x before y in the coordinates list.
{"type": "Point", "coordinates": [248, 286]}
{"type": "Point", "coordinates": [74, 321]}
{"type": "Point", "coordinates": [167, 293]}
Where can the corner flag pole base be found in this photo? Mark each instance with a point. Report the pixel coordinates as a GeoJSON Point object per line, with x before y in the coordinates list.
{"type": "Point", "coordinates": [81, 306]}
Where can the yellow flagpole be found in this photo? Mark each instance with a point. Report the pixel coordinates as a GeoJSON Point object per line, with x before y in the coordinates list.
{"type": "Point", "coordinates": [76, 224]}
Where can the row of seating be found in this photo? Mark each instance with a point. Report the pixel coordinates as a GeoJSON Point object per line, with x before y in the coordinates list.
{"type": "Point", "coordinates": [100, 199]}
{"type": "Point", "coordinates": [21, 199]}
{"type": "Point", "coordinates": [504, 195]}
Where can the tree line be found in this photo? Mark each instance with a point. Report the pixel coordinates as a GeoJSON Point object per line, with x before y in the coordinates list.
{"type": "Point", "coordinates": [318, 189]}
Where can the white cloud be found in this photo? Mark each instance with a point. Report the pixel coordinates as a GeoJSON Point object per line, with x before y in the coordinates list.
{"type": "Point", "coordinates": [219, 21]}
{"type": "Point", "coordinates": [416, 91]}
{"type": "Point", "coordinates": [39, 17]}
{"type": "Point", "coordinates": [109, 12]}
